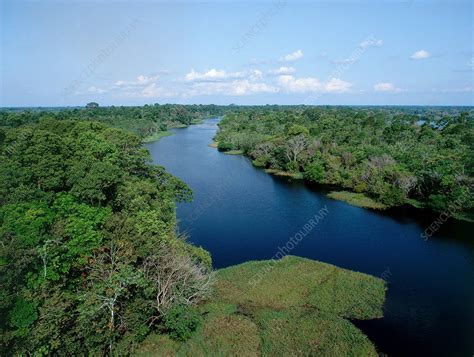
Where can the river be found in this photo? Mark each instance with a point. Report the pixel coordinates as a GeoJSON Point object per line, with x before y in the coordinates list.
{"type": "Point", "coordinates": [241, 213]}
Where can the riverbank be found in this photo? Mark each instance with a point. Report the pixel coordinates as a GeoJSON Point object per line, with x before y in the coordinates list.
{"type": "Point", "coordinates": [161, 134]}
{"type": "Point", "coordinates": [356, 199]}
{"type": "Point", "coordinates": [157, 136]}
{"type": "Point", "coordinates": [352, 198]}
{"type": "Point", "coordinates": [293, 306]}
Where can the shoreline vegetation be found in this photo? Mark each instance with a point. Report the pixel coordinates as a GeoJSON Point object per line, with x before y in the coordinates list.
{"type": "Point", "coordinates": [233, 152]}
{"type": "Point", "coordinates": [160, 134]}
{"type": "Point", "coordinates": [157, 136]}
{"type": "Point", "coordinates": [378, 157]}
{"type": "Point", "coordinates": [356, 199]}
{"type": "Point", "coordinates": [90, 229]}
{"type": "Point", "coordinates": [299, 307]}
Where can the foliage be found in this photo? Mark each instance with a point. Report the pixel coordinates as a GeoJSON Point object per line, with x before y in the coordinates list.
{"type": "Point", "coordinates": [149, 122]}
{"type": "Point", "coordinates": [314, 171]}
{"type": "Point", "coordinates": [23, 314]}
{"type": "Point", "coordinates": [83, 219]}
{"type": "Point", "coordinates": [224, 146]}
{"type": "Point", "coordinates": [393, 155]}
{"type": "Point", "coordinates": [181, 321]}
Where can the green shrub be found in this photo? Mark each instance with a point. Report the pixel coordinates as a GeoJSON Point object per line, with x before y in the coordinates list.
{"type": "Point", "coordinates": [360, 187]}
{"type": "Point", "coordinates": [292, 166]}
{"type": "Point", "coordinates": [392, 196]}
{"type": "Point", "coordinates": [181, 321]}
{"type": "Point", "coordinates": [224, 146]}
{"type": "Point", "coordinates": [23, 314]}
{"type": "Point", "coordinates": [260, 161]}
{"type": "Point", "coordinates": [314, 171]}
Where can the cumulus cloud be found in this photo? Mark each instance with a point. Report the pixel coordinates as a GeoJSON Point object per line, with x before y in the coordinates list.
{"type": "Point", "coordinates": [310, 84]}
{"type": "Point", "coordinates": [219, 75]}
{"type": "Point", "coordinates": [140, 81]}
{"type": "Point", "coordinates": [371, 42]}
{"type": "Point", "coordinates": [336, 85]}
{"type": "Point", "coordinates": [283, 70]}
{"type": "Point", "coordinates": [211, 75]}
{"type": "Point", "coordinates": [96, 90]}
{"type": "Point", "coordinates": [152, 91]}
{"type": "Point", "coordinates": [295, 56]}
{"type": "Point", "coordinates": [142, 86]}
{"type": "Point", "coordinates": [386, 87]}
{"type": "Point", "coordinates": [421, 54]}
{"type": "Point", "coordinates": [239, 87]}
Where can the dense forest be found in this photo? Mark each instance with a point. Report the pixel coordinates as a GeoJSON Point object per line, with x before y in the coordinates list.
{"type": "Point", "coordinates": [90, 258]}
{"type": "Point", "coordinates": [146, 121]}
{"type": "Point", "coordinates": [91, 261]}
{"type": "Point", "coordinates": [394, 155]}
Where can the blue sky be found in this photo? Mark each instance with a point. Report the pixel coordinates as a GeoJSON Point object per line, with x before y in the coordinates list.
{"type": "Point", "coordinates": [56, 53]}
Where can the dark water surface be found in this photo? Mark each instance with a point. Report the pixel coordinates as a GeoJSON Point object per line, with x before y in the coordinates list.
{"type": "Point", "coordinates": [241, 213]}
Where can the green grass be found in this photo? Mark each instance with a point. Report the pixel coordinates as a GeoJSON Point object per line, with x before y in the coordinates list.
{"type": "Point", "coordinates": [302, 283]}
{"type": "Point", "coordinates": [176, 125]}
{"type": "Point", "coordinates": [157, 136]}
{"type": "Point", "coordinates": [293, 175]}
{"type": "Point", "coordinates": [295, 332]}
{"type": "Point", "coordinates": [356, 199]}
{"type": "Point", "coordinates": [299, 307]}
{"type": "Point", "coordinates": [233, 152]}
{"type": "Point", "coordinates": [157, 344]}
{"type": "Point", "coordinates": [160, 134]}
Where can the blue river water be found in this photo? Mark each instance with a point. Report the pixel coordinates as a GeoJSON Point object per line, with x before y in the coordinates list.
{"type": "Point", "coordinates": [241, 213]}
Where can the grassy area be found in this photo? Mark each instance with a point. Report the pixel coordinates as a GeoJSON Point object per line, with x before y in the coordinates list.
{"type": "Point", "coordinates": [356, 199]}
{"type": "Point", "coordinates": [297, 307]}
{"type": "Point", "coordinates": [160, 134]}
{"type": "Point", "coordinates": [233, 152]}
{"type": "Point", "coordinates": [157, 136]}
{"type": "Point", "coordinates": [293, 175]}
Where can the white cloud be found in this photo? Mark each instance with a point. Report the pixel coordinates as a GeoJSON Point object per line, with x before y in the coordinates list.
{"type": "Point", "coordinates": [244, 87]}
{"type": "Point", "coordinates": [140, 81]}
{"type": "Point", "coordinates": [219, 75]}
{"type": "Point", "coordinates": [283, 70]}
{"type": "Point", "coordinates": [211, 75]}
{"type": "Point", "coordinates": [310, 84]}
{"type": "Point", "coordinates": [336, 85]}
{"type": "Point", "coordinates": [421, 54]}
{"type": "Point", "coordinates": [142, 86]}
{"type": "Point", "coordinates": [239, 87]}
{"type": "Point", "coordinates": [295, 56]}
{"type": "Point", "coordinates": [386, 87]}
{"type": "Point", "coordinates": [96, 90]}
{"type": "Point", "coordinates": [151, 91]}
{"type": "Point", "coordinates": [371, 42]}
{"type": "Point", "coordinates": [299, 85]}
